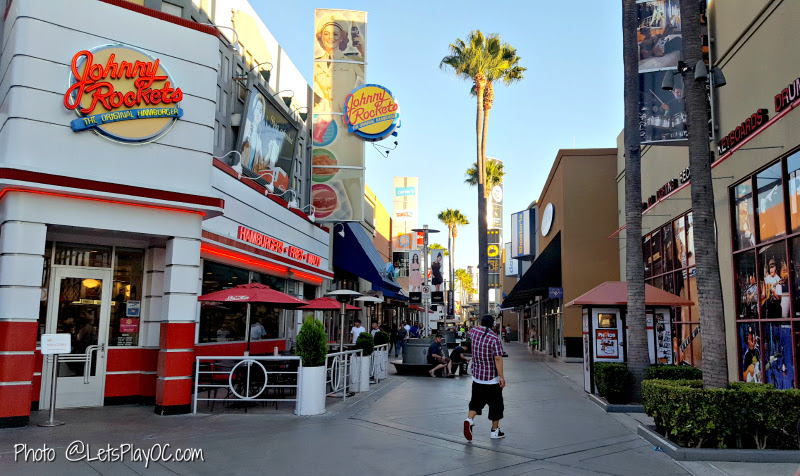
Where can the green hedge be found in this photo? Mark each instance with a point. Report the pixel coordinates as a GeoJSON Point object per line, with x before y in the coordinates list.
{"type": "Point", "coordinates": [741, 416]}
{"type": "Point", "coordinates": [366, 343]}
{"type": "Point", "coordinates": [673, 372]}
{"type": "Point", "coordinates": [613, 381]}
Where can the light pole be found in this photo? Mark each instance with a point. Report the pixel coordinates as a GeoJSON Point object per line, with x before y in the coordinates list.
{"type": "Point", "coordinates": [343, 296]}
{"type": "Point", "coordinates": [425, 230]}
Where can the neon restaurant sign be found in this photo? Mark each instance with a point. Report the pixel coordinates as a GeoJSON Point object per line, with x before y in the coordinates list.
{"type": "Point", "coordinates": [123, 94]}
{"type": "Point", "coordinates": [277, 246]}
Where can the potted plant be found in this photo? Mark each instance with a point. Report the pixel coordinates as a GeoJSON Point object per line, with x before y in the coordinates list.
{"type": "Point", "coordinates": [366, 343]}
{"type": "Point", "coordinates": [312, 348]}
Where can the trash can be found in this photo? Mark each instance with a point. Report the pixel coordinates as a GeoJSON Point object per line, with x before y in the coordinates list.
{"type": "Point", "coordinates": [417, 351]}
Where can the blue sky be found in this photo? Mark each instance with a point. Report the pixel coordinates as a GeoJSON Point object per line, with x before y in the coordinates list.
{"type": "Point", "coordinates": [572, 93]}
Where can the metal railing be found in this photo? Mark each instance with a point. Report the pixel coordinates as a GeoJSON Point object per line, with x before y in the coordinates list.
{"type": "Point", "coordinates": [338, 368]}
{"type": "Point", "coordinates": [86, 358]}
{"type": "Point", "coordinates": [245, 379]}
{"type": "Point", "coordinates": [379, 368]}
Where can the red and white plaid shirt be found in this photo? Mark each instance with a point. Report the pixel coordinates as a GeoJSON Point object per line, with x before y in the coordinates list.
{"type": "Point", "coordinates": [485, 345]}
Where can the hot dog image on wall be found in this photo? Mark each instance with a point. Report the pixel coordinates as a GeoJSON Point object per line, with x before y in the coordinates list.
{"type": "Point", "coordinates": [331, 201]}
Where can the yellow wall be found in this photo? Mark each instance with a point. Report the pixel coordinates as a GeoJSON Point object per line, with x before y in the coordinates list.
{"type": "Point", "coordinates": [382, 222]}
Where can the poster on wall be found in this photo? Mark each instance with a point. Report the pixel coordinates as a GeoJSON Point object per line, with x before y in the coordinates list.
{"type": "Point", "coordinates": [778, 355]}
{"type": "Point", "coordinates": [750, 353]}
{"type": "Point", "coordinates": [607, 344]}
{"type": "Point", "coordinates": [338, 156]}
{"type": "Point", "coordinates": [663, 337]}
{"type": "Point", "coordinates": [415, 271]}
{"type": "Point", "coordinates": [267, 141]}
{"type": "Point", "coordinates": [438, 269]}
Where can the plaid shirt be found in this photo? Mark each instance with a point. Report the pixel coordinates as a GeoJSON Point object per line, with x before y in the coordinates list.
{"type": "Point", "coordinates": [485, 345]}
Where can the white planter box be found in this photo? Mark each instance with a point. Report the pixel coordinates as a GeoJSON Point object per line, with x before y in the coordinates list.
{"type": "Point", "coordinates": [355, 374]}
{"type": "Point", "coordinates": [365, 369]}
{"type": "Point", "coordinates": [312, 391]}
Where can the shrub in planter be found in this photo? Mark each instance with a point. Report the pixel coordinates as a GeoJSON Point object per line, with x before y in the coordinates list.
{"type": "Point", "coordinates": [312, 343]}
{"type": "Point", "coordinates": [745, 415]}
{"type": "Point", "coordinates": [381, 338]}
{"type": "Point", "coordinates": [613, 380]}
{"type": "Point", "coordinates": [366, 343]}
{"type": "Point", "coordinates": [673, 372]}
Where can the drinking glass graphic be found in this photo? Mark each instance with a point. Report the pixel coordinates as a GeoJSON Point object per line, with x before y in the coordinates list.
{"type": "Point", "coordinates": [321, 126]}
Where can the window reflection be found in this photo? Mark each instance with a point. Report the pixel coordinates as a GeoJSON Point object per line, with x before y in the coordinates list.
{"type": "Point", "coordinates": [770, 203]}
{"type": "Point", "coordinates": [743, 216]}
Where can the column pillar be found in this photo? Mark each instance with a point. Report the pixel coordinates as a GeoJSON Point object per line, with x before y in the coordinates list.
{"type": "Point", "coordinates": [21, 263]}
{"type": "Point", "coordinates": [176, 338]}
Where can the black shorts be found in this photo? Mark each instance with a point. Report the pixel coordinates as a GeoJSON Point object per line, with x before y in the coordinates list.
{"type": "Point", "coordinates": [483, 394]}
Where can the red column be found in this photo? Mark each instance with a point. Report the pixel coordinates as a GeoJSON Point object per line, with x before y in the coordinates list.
{"type": "Point", "coordinates": [175, 362]}
{"type": "Point", "coordinates": [17, 347]}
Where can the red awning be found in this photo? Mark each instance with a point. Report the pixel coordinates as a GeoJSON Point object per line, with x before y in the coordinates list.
{"type": "Point", "coordinates": [615, 293]}
{"type": "Point", "coordinates": [326, 303]}
{"type": "Point", "coordinates": [254, 292]}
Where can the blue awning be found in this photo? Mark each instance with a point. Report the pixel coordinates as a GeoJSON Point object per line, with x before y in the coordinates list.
{"type": "Point", "coordinates": [399, 295]}
{"type": "Point", "coordinates": [356, 254]}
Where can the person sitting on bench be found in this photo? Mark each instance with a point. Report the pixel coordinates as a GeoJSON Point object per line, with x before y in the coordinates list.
{"type": "Point", "coordinates": [457, 357]}
{"type": "Point", "coordinates": [436, 357]}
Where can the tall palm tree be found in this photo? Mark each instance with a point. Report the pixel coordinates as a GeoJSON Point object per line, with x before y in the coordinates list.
{"type": "Point", "coordinates": [709, 285]}
{"type": "Point", "coordinates": [437, 246]}
{"type": "Point", "coordinates": [452, 218]}
{"type": "Point", "coordinates": [482, 59]}
{"type": "Point", "coordinates": [494, 176]}
{"type": "Point", "coordinates": [638, 355]}
{"type": "Point", "coordinates": [464, 283]}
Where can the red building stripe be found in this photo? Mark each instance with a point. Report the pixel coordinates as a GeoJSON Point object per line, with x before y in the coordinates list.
{"type": "Point", "coordinates": [16, 367]}
{"type": "Point", "coordinates": [176, 335]}
{"type": "Point", "coordinates": [208, 29]}
{"type": "Point", "coordinates": [108, 187]}
{"type": "Point", "coordinates": [174, 392]}
{"type": "Point", "coordinates": [16, 400]}
{"type": "Point", "coordinates": [18, 336]}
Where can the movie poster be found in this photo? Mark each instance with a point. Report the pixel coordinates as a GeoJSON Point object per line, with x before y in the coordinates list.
{"type": "Point", "coordinates": [415, 268]}
{"type": "Point", "coordinates": [746, 285]}
{"type": "Point", "coordinates": [750, 353]}
{"type": "Point", "coordinates": [773, 281]}
{"type": "Point", "coordinates": [778, 358]}
{"type": "Point", "coordinates": [663, 338]}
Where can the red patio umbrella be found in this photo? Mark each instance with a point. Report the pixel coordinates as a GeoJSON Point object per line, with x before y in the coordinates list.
{"type": "Point", "coordinates": [326, 303]}
{"type": "Point", "coordinates": [253, 292]}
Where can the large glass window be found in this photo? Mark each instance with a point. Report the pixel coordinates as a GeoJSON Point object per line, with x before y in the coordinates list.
{"type": "Point", "coordinates": [743, 216]}
{"type": "Point", "coordinates": [768, 330]}
{"type": "Point", "coordinates": [669, 257]}
{"type": "Point", "coordinates": [48, 256]}
{"type": "Point", "coordinates": [771, 220]}
{"type": "Point", "coordinates": [222, 321]}
{"type": "Point", "coordinates": [73, 254]}
{"type": "Point", "coordinates": [127, 288]}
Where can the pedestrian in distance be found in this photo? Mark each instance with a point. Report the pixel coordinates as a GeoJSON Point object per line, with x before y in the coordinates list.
{"type": "Point", "coordinates": [488, 380]}
{"type": "Point", "coordinates": [356, 330]}
{"type": "Point", "coordinates": [402, 337]}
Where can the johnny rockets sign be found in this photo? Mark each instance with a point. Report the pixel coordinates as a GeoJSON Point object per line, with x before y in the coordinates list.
{"type": "Point", "coordinates": [122, 93]}
{"type": "Point", "coordinates": [277, 246]}
{"type": "Point", "coordinates": [371, 112]}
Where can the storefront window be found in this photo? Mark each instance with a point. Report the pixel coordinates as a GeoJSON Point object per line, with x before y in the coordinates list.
{"type": "Point", "coordinates": [771, 220]}
{"type": "Point", "coordinates": [648, 261]}
{"type": "Point", "coordinates": [743, 216]}
{"type": "Point", "coordinates": [48, 256]}
{"type": "Point", "coordinates": [656, 254]}
{"type": "Point", "coordinates": [779, 354]}
{"type": "Point", "coordinates": [73, 254]}
{"type": "Point", "coordinates": [309, 291]}
{"type": "Point", "coordinates": [689, 240]}
{"type": "Point", "coordinates": [773, 277]}
{"type": "Point", "coordinates": [795, 267]}
{"type": "Point", "coordinates": [750, 350]}
{"type": "Point", "coordinates": [222, 322]}
{"type": "Point", "coordinates": [667, 245]}
{"type": "Point", "coordinates": [126, 306]}
{"type": "Point", "coordinates": [679, 228]}
{"type": "Point", "coordinates": [746, 285]}
{"type": "Point", "coordinates": [793, 166]}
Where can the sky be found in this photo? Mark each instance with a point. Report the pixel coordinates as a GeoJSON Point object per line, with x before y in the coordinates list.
{"type": "Point", "coordinates": [571, 94]}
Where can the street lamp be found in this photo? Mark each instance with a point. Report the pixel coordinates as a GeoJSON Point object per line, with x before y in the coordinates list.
{"type": "Point", "coordinates": [425, 230]}
{"type": "Point", "coordinates": [370, 302]}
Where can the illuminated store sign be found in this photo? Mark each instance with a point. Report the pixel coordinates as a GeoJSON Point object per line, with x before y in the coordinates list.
{"type": "Point", "coordinates": [743, 131]}
{"type": "Point", "coordinates": [122, 93]}
{"type": "Point", "coordinates": [667, 188]}
{"type": "Point", "coordinates": [371, 112]}
{"type": "Point", "coordinates": [789, 95]}
{"type": "Point", "coordinates": [277, 246]}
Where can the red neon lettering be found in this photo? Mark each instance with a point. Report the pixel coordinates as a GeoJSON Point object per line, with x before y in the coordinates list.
{"type": "Point", "coordinates": [94, 78]}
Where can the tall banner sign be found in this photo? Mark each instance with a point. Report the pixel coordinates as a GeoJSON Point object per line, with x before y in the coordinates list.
{"type": "Point", "coordinates": [521, 234]}
{"type": "Point", "coordinates": [405, 210]}
{"type": "Point", "coordinates": [493, 250]}
{"type": "Point", "coordinates": [340, 53]}
{"type": "Point", "coordinates": [512, 268]}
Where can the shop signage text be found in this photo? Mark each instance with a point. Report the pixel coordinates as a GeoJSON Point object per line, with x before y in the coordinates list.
{"type": "Point", "coordinates": [786, 97]}
{"type": "Point", "coordinates": [744, 130]}
{"type": "Point", "coordinates": [371, 112]}
{"type": "Point", "coordinates": [117, 83]}
{"type": "Point", "coordinates": [667, 188]}
{"type": "Point", "coordinates": [276, 246]}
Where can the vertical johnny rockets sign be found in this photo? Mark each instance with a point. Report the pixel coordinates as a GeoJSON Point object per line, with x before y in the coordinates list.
{"type": "Point", "coordinates": [340, 55]}
{"type": "Point", "coordinates": [123, 94]}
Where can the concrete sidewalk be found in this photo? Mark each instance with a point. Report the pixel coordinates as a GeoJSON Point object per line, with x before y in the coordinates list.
{"type": "Point", "coordinates": [404, 425]}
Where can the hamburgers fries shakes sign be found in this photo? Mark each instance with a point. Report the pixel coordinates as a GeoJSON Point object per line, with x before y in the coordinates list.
{"type": "Point", "coordinates": [122, 94]}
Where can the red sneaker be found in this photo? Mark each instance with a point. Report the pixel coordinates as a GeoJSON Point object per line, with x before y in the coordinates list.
{"type": "Point", "coordinates": [468, 429]}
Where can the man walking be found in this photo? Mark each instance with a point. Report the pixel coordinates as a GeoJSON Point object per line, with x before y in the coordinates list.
{"type": "Point", "coordinates": [402, 336]}
{"type": "Point", "coordinates": [487, 377]}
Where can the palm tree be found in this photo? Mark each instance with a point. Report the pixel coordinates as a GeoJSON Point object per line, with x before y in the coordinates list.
{"type": "Point", "coordinates": [482, 60]}
{"type": "Point", "coordinates": [494, 176]}
{"type": "Point", "coordinates": [709, 285]}
{"type": "Point", "coordinates": [437, 246]}
{"type": "Point", "coordinates": [638, 355]}
{"type": "Point", "coordinates": [452, 218]}
{"type": "Point", "coordinates": [464, 283]}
